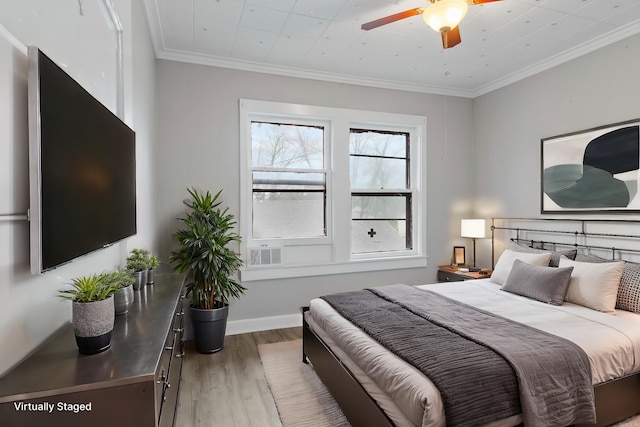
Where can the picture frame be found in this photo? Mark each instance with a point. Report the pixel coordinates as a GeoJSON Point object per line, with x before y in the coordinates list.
{"type": "Point", "coordinates": [592, 171]}
{"type": "Point", "coordinates": [459, 255]}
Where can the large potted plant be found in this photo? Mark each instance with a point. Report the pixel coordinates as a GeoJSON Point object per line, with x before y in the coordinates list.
{"type": "Point", "coordinates": [124, 296]}
{"type": "Point", "coordinates": [209, 264]}
{"type": "Point", "coordinates": [93, 312]}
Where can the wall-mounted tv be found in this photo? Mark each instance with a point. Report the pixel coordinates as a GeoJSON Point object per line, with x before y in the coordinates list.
{"type": "Point", "coordinates": [82, 170]}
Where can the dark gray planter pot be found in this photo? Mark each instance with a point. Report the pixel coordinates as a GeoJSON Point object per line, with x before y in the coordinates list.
{"type": "Point", "coordinates": [92, 325]}
{"type": "Point", "coordinates": [141, 279]}
{"type": "Point", "coordinates": [209, 328]}
{"type": "Point", "coordinates": [123, 300]}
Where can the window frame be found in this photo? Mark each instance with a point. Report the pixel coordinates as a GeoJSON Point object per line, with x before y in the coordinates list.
{"type": "Point", "coordinates": [324, 170]}
{"type": "Point", "coordinates": [283, 114]}
{"type": "Point", "coordinates": [338, 122]}
{"type": "Point", "coordinates": [390, 192]}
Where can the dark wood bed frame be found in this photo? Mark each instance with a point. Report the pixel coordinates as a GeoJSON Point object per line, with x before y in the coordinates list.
{"type": "Point", "coordinates": [615, 400]}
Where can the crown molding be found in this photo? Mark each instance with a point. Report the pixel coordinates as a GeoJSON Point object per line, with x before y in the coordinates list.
{"type": "Point", "coordinates": [259, 67]}
{"type": "Point", "coordinates": [566, 56]}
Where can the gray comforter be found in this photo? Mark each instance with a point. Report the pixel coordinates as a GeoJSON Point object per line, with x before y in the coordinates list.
{"type": "Point", "coordinates": [486, 367]}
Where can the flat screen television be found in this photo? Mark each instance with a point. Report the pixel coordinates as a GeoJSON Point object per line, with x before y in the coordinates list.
{"type": "Point", "coordinates": [82, 169]}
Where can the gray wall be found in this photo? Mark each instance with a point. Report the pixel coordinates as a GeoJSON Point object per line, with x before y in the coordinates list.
{"type": "Point", "coordinates": [30, 310]}
{"type": "Point", "coordinates": [198, 141]}
{"type": "Point", "coordinates": [597, 89]}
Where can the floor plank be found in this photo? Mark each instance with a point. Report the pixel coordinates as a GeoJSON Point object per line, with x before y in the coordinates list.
{"type": "Point", "coordinates": [228, 388]}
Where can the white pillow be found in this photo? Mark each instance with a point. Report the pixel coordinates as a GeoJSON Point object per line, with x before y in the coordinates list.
{"type": "Point", "coordinates": [594, 285]}
{"type": "Point", "coordinates": [505, 262]}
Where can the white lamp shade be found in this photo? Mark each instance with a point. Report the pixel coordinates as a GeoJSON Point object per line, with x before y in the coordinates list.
{"type": "Point", "coordinates": [473, 228]}
{"type": "Point", "coordinates": [445, 14]}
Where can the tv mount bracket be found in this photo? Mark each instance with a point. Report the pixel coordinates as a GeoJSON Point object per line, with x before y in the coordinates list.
{"type": "Point", "coordinates": [14, 217]}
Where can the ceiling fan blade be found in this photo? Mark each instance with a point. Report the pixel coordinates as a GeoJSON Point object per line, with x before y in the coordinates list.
{"type": "Point", "coordinates": [392, 18]}
{"type": "Point", "coordinates": [451, 38]}
{"type": "Point", "coordinates": [472, 2]}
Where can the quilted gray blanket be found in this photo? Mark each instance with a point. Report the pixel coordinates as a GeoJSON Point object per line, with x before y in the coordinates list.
{"type": "Point", "coordinates": [486, 367]}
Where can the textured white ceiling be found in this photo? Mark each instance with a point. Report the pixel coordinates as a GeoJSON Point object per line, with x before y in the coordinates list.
{"type": "Point", "coordinates": [502, 42]}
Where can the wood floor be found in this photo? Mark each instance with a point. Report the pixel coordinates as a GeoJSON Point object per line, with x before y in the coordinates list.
{"type": "Point", "coordinates": [228, 388]}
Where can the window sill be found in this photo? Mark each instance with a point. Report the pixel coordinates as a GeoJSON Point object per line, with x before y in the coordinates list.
{"type": "Point", "coordinates": [356, 266]}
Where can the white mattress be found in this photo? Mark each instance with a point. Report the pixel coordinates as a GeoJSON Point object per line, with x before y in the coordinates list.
{"type": "Point", "coordinates": [612, 343]}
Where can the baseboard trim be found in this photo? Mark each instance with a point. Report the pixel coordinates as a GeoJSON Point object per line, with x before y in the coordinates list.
{"type": "Point", "coordinates": [235, 327]}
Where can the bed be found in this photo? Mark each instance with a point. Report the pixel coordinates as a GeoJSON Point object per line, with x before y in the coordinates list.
{"type": "Point", "coordinates": [375, 386]}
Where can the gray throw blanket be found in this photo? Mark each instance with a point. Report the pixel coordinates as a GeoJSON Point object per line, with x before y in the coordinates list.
{"type": "Point", "coordinates": [486, 367]}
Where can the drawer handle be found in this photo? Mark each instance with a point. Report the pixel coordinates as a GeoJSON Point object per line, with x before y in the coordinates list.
{"type": "Point", "coordinates": [169, 347]}
{"type": "Point", "coordinates": [178, 329]}
{"type": "Point", "coordinates": [180, 355]}
{"type": "Point", "coordinates": [163, 377]}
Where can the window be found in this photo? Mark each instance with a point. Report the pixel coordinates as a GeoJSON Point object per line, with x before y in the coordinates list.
{"type": "Point", "coordinates": [288, 180]}
{"type": "Point", "coordinates": [380, 191]}
{"type": "Point", "coordinates": [329, 190]}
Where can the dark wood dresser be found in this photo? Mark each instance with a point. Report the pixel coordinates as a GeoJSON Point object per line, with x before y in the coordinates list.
{"type": "Point", "coordinates": [134, 383]}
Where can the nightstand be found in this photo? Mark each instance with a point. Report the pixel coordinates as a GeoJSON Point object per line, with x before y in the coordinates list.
{"type": "Point", "coordinates": [447, 273]}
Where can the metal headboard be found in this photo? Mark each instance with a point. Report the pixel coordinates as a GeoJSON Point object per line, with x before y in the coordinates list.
{"type": "Point", "coordinates": [577, 234]}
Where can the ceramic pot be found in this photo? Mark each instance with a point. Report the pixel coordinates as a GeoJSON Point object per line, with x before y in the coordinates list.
{"type": "Point", "coordinates": [92, 325]}
{"type": "Point", "coordinates": [123, 300]}
{"type": "Point", "coordinates": [151, 276]}
{"type": "Point", "coordinates": [209, 328]}
{"type": "Point", "coordinates": [141, 279]}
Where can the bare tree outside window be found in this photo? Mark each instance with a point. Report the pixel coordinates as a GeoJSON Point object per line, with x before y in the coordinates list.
{"type": "Point", "coordinates": [289, 181]}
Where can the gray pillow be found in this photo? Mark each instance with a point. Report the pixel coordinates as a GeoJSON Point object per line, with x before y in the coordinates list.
{"type": "Point", "coordinates": [555, 255]}
{"type": "Point", "coordinates": [546, 284]}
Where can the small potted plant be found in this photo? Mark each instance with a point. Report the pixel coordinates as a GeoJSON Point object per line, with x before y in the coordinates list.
{"type": "Point", "coordinates": [154, 263]}
{"type": "Point", "coordinates": [123, 298]}
{"type": "Point", "coordinates": [93, 312]}
{"type": "Point", "coordinates": [138, 264]}
{"type": "Point", "coordinates": [208, 261]}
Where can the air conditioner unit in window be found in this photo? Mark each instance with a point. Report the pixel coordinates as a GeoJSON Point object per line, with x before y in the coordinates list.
{"type": "Point", "coordinates": [265, 255]}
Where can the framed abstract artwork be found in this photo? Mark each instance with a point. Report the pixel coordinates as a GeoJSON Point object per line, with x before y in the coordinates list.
{"type": "Point", "coordinates": [592, 171]}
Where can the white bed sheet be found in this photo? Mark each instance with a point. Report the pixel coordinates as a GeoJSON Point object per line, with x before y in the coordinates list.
{"type": "Point", "coordinates": [612, 343]}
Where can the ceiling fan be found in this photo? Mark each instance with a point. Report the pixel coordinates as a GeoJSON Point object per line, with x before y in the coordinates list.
{"type": "Point", "coordinates": [442, 15]}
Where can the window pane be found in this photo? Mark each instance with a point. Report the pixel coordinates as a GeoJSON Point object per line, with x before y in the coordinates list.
{"type": "Point", "coordinates": [378, 236]}
{"type": "Point", "coordinates": [287, 146]}
{"type": "Point", "coordinates": [373, 172]}
{"type": "Point", "coordinates": [288, 214]}
{"type": "Point", "coordinates": [372, 143]}
{"type": "Point", "coordinates": [381, 207]}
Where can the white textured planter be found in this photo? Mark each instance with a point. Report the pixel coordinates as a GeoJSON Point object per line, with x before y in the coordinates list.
{"type": "Point", "coordinates": [92, 325]}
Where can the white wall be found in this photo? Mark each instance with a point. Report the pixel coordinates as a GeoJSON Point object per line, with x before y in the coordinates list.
{"type": "Point", "coordinates": [29, 308]}
{"type": "Point", "coordinates": [508, 124]}
{"type": "Point", "coordinates": [198, 137]}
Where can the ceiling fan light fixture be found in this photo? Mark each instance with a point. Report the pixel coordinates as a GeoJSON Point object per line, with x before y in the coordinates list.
{"type": "Point", "coordinates": [445, 14]}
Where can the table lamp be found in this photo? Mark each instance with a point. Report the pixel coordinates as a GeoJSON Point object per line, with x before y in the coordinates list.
{"type": "Point", "coordinates": [474, 229]}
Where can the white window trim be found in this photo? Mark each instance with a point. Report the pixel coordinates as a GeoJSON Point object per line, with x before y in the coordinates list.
{"type": "Point", "coordinates": [338, 121]}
